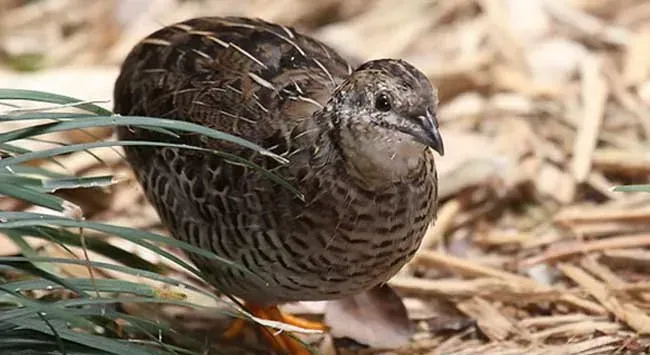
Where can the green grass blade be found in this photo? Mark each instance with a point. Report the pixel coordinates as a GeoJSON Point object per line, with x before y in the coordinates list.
{"type": "Point", "coordinates": [18, 260]}
{"type": "Point", "coordinates": [27, 116]}
{"type": "Point", "coordinates": [66, 116]}
{"type": "Point", "coordinates": [52, 185]}
{"type": "Point", "coordinates": [14, 179]}
{"type": "Point", "coordinates": [31, 308]}
{"type": "Point", "coordinates": [34, 171]}
{"type": "Point", "coordinates": [27, 250]}
{"type": "Point", "coordinates": [138, 121]}
{"type": "Point", "coordinates": [14, 341]}
{"type": "Point", "coordinates": [112, 346]}
{"type": "Point", "coordinates": [86, 284]}
{"type": "Point", "coordinates": [25, 219]}
{"type": "Point", "coordinates": [6, 104]}
{"type": "Point", "coordinates": [67, 238]}
{"type": "Point", "coordinates": [632, 188]}
{"type": "Point", "coordinates": [48, 153]}
{"type": "Point", "coordinates": [25, 265]}
{"type": "Point", "coordinates": [105, 227]}
{"type": "Point", "coordinates": [35, 197]}
{"type": "Point", "coordinates": [41, 96]}
{"type": "Point", "coordinates": [82, 302]}
{"type": "Point", "coordinates": [150, 328]}
{"type": "Point", "coordinates": [12, 149]}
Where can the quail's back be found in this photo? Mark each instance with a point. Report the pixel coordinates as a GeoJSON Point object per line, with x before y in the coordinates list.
{"type": "Point", "coordinates": [358, 144]}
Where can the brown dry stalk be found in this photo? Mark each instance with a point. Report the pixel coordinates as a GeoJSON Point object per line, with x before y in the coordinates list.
{"type": "Point", "coordinates": [492, 322]}
{"type": "Point", "coordinates": [594, 97]}
{"type": "Point", "coordinates": [467, 267]}
{"type": "Point", "coordinates": [590, 215]}
{"type": "Point", "coordinates": [626, 312]}
{"type": "Point", "coordinates": [565, 250]}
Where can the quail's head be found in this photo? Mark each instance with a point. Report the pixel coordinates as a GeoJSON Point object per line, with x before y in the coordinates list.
{"type": "Point", "coordinates": [385, 119]}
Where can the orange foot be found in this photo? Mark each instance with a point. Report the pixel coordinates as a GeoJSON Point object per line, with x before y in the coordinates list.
{"type": "Point", "coordinates": [281, 342]}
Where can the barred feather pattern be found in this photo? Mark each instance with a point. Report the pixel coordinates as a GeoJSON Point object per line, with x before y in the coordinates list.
{"type": "Point", "coordinates": [270, 85]}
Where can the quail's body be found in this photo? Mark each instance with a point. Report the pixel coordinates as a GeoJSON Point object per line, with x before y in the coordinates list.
{"type": "Point", "coordinates": [368, 196]}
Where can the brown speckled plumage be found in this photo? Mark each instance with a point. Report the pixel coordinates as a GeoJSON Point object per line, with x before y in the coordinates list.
{"type": "Point", "coordinates": [356, 141]}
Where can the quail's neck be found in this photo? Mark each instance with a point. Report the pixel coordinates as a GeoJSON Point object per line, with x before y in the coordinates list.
{"type": "Point", "coordinates": [379, 166]}
{"type": "Point", "coordinates": [378, 163]}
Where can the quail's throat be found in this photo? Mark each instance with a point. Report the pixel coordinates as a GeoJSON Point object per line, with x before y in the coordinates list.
{"type": "Point", "coordinates": [382, 161]}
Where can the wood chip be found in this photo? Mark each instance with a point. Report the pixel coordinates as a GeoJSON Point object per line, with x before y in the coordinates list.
{"type": "Point", "coordinates": [627, 312]}
{"type": "Point", "coordinates": [494, 325]}
{"type": "Point", "coordinates": [467, 267]}
{"type": "Point", "coordinates": [594, 96]}
{"type": "Point", "coordinates": [564, 250]}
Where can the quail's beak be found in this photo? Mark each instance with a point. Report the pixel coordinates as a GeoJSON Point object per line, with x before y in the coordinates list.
{"type": "Point", "coordinates": [429, 135]}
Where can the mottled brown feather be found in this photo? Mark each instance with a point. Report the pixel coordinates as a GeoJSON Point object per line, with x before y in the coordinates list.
{"type": "Point", "coordinates": [274, 87]}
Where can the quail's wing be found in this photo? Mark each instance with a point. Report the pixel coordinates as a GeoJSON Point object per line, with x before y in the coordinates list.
{"type": "Point", "coordinates": [246, 77]}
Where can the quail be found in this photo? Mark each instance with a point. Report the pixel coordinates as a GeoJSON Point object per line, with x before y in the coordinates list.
{"type": "Point", "coordinates": [359, 144]}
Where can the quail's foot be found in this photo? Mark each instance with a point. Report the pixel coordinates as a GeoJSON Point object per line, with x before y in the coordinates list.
{"type": "Point", "coordinates": [282, 342]}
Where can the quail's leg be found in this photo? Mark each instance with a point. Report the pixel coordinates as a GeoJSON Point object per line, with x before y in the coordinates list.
{"type": "Point", "coordinates": [282, 342]}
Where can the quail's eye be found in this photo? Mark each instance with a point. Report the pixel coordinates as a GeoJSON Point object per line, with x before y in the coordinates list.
{"type": "Point", "coordinates": [382, 103]}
